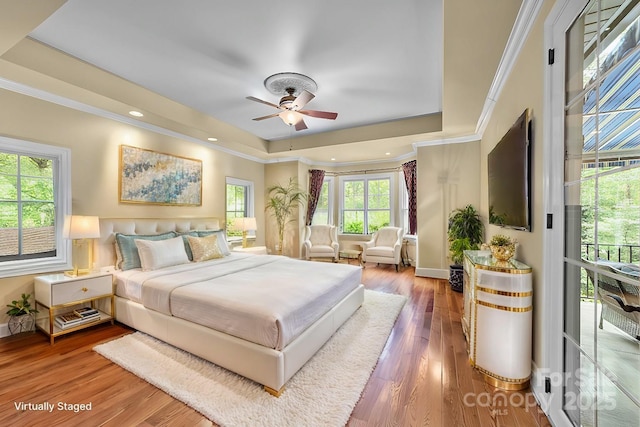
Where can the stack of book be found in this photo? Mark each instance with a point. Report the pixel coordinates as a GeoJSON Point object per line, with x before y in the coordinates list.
{"type": "Point", "coordinates": [77, 317]}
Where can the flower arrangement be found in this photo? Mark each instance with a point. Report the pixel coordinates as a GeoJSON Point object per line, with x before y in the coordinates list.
{"type": "Point", "coordinates": [503, 248]}
{"type": "Point", "coordinates": [20, 307]}
{"type": "Point", "coordinates": [500, 240]}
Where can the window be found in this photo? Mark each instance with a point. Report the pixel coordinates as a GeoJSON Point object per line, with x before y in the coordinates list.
{"type": "Point", "coordinates": [365, 203]}
{"type": "Point", "coordinates": [239, 202]}
{"type": "Point", "coordinates": [324, 206]}
{"type": "Point", "coordinates": [35, 196]}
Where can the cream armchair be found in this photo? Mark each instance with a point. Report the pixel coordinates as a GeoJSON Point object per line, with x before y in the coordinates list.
{"type": "Point", "coordinates": [384, 246]}
{"type": "Point", "coordinates": [320, 241]}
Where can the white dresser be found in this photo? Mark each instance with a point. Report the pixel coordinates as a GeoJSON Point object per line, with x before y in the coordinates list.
{"type": "Point", "coordinates": [497, 318]}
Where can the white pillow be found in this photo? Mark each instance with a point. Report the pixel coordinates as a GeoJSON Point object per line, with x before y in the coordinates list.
{"type": "Point", "coordinates": [155, 254]}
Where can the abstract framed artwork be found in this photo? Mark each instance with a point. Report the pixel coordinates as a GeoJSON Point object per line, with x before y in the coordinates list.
{"type": "Point", "coordinates": [150, 177]}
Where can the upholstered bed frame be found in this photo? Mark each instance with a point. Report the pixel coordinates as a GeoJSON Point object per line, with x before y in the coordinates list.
{"type": "Point", "coordinates": [269, 367]}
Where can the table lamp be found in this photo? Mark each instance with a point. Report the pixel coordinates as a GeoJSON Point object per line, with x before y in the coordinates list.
{"type": "Point", "coordinates": [81, 230]}
{"type": "Point", "coordinates": [245, 225]}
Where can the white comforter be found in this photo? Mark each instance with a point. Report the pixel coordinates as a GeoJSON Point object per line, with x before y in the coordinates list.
{"type": "Point", "coordinates": [268, 300]}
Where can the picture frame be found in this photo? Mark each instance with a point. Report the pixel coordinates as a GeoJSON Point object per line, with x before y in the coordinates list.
{"type": "Point", "coordinates": [151, 177]}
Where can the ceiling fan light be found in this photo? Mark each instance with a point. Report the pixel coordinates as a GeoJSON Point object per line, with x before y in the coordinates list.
{"type": "Point", "coordinates": [289, 117]}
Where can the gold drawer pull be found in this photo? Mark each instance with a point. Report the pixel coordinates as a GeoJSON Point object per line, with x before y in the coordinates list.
{"type": "Point", "coordinates": [84, 289]}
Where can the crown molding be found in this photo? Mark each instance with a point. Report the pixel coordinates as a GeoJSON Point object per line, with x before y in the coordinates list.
{"type": "Point", "coordinates": [521, 28]}
{"type": "Point", "coordinates": [453, 140]}
{"type": "Point", "coordinates": [86, 108]}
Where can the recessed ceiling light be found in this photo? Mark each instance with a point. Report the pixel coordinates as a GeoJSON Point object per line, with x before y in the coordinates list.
{"type": "Point", "coordinates": [387, 154]}
{"type": "Point", "coordinates": [135, 113]}
{"type": "Point", "coordinates": [212, 139]}
{"type": "Point", "coordinates": [333, 158]}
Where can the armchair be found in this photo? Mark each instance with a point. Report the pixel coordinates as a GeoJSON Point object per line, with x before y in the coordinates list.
{"type": "Point", "coordinates": [384, 246]}
{"type": "Point", "coordinates": [320, 241]}
{"type": "Point", "coordinates": [620, 300]}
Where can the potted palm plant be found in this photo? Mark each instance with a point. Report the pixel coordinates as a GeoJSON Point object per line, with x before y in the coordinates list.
{"type": "Point", "coordinates": [21, 315]}
{"type": "Point", "coordinates": [465, 233]}
{"type": "Point", "coordinates": [282, 202]}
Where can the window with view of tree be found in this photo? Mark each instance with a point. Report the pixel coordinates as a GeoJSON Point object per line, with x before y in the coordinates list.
{"type": "Point", "coordinates": [27, 207]}
{"type": "Point", "coordinates": [239, 202]}
{"type": "Point", "coordinates": [365, 204]}
{"type": "Point", "coordinates": [34, 190]}
{"type": "Point", "coordinates": [323, 208]}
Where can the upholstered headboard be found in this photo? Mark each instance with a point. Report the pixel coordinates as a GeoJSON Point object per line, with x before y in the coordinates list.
{"type": "Point", "coordinates": [105, 254]}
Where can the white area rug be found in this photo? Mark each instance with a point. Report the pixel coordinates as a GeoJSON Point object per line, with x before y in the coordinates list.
{"type": "Point", "coordinates": [323, 393]}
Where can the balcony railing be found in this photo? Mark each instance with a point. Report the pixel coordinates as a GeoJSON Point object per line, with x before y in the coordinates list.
{"type": "Point", "coordinates": [610, 252]}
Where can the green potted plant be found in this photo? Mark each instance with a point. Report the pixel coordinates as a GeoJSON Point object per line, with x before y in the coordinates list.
{"type": "Point", "coordinates": [465, 232]}
{"type": "Point", "coordinates": [281, 203]}
{"type": "Point", "coordinates": [21, 315]}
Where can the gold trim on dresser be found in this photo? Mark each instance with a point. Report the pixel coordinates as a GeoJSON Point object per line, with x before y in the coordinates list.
{"type": "Point", "coordinates": [505, 308]}
{"type": "Point", "coordinates": [504, 293]}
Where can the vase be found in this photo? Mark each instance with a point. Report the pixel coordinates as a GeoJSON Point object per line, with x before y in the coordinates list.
{"type": "Point", "coordinates": [503, 253]}
{"type": "Point", "coordinates": [22, 323]}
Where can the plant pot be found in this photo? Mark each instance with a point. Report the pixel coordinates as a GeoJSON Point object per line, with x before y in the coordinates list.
{"type": "Point", "coordinates": [503, 253]}
{"type": "Point", "coordinates": [456, 277]}
{"type": "Point", "coordinates": [22, 323]}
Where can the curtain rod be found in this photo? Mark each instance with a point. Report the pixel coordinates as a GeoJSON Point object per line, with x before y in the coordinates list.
{"type": "Point", "coordinates": [365, 171]}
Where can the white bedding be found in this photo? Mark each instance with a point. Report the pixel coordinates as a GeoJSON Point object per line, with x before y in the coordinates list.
{"type": "Point", "coordinates": [268, 300]}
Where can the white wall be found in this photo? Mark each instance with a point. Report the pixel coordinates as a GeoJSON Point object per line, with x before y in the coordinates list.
{"type": "Point", "coordinates": [448, 179]}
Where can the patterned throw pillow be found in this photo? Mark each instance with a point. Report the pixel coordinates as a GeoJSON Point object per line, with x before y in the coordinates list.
{"type": "Point", "coordinates": [222, 239]}
{"type": "Point", "coordinates": [205, 248]}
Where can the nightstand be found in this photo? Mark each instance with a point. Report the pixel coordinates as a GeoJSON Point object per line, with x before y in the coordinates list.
{"type": "Point", "coordinates": [57, 293]}
{"type": "Point", "coordinates": [257, 250]}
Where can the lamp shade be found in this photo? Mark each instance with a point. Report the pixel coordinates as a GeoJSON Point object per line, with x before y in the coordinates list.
{"type": "Point", "coordinates": [244, 224]}
{"type": "Point", "coordinates": [81, 227]}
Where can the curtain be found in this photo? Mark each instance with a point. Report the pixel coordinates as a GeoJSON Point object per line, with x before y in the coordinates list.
{"type": "Point", "coordinates": [315, 187]}
{"type": "Point", "coordinates": [411, 181]}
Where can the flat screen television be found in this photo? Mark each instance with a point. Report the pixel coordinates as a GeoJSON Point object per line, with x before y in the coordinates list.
{"type": "Point", "coordinates": [509, 168]}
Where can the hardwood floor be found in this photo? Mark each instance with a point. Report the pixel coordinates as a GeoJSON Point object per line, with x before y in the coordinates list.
{"type": "Point", "coordinates": [423, 377]}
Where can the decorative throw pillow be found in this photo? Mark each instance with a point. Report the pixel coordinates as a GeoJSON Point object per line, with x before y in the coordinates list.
{"type": "Point", "coordinates": [205, 248]}
{"type": "Point", "coordinates": [222, 239]}
{"type": "Point", "coordinates": [161, 253]}
{"type": "Point", "coordinates": [129, 251]}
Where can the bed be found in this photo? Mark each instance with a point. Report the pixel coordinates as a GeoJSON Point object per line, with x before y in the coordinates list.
{"type": "Point", "coordinates": [260, 316]}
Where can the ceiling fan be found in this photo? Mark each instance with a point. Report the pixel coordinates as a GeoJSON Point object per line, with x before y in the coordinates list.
{"type": "Point", "coordinates": [292, 113]}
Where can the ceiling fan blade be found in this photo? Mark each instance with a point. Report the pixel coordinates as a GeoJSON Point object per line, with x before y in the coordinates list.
{"type": "Point", "coordinates": [251, 98]}
{"type": "Point", "coordinates": [267, 117]}
{"type": "Point", "coordinates": [301, 125]}
{"type": "Point", "coordinates": [302, 100]}
{"type": "Point", "coordinates": [320, 114]}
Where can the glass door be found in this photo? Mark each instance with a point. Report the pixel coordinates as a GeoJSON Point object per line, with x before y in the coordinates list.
{"type": "Point", "coordinates": [601, 334]}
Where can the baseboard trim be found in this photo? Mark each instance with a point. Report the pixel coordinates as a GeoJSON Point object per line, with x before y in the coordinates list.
{"type": "Point", "coordinates": [436, 273]}
{"type": "Point", "coordinates": [4, 330]}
